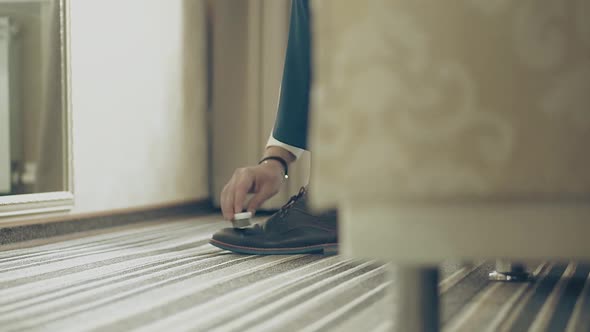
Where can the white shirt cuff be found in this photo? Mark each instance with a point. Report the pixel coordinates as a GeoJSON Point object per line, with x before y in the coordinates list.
{"type": "Point", "coordinates": [297, 152]}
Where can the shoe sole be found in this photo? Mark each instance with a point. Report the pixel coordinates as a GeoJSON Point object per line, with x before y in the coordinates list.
{"type": "Point", "coordinates": [325, 249]}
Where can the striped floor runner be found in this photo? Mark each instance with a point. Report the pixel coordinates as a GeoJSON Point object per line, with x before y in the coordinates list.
{"type": "Point", "coordinates": [164, 276]}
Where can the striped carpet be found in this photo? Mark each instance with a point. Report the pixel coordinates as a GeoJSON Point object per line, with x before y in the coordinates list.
{"type": "Point", "coordinates": [164, 276]}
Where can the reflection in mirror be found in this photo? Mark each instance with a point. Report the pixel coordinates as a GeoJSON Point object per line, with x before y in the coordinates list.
{"type": "Point", "coordinates": [32, 89]}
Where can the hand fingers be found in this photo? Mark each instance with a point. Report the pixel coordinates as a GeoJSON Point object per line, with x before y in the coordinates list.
{"type": "Point", "coordinates": [258, 200]}
{"type": "Point", "coordinates": [226, 202]}
{"type": "Point", "coordinates": [242, 186]}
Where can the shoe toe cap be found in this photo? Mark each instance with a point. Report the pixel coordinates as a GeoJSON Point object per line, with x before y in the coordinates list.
{"type": "Point", "coordinates": [226, 235]}
{"type": "Point", "coordinates": [236, 236]}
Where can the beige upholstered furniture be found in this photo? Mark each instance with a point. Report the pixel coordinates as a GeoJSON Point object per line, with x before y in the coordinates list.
{"type": "Point", "coordinates": [453, 130]}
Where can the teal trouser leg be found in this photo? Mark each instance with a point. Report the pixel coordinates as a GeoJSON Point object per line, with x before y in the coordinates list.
{"type": "Point", "coordinates": [292, 118]}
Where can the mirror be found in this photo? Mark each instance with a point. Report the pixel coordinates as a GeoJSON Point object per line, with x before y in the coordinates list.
{"type": "Point", "coordinates": [35, 152]}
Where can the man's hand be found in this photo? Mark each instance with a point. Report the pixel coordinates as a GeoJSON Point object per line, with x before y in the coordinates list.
{"type": "Point", "coordinates": [264, 181]}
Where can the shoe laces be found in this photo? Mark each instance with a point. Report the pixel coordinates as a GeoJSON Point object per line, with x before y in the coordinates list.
{"type": "Point", "coordinates": [285, 208]}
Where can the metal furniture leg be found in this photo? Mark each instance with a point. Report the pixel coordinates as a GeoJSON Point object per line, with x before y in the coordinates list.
{"type": "Point", "coordinates": [416, 299]}
{"type": "Point", "coordinates": [509, 271]}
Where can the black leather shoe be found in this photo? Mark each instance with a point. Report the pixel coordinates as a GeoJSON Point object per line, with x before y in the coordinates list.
{"type": "Point", "coordinates": [292, 230]}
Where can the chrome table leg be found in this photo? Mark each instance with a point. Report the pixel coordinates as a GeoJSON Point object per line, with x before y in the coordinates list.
{"type": "Point", "coordinates": [508, 271]}
{"type": "Point", "coordinates": [416, 306]}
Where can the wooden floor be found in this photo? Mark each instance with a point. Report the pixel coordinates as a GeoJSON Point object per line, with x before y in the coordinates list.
{"type": "Point", "coordinates": [165, 276]}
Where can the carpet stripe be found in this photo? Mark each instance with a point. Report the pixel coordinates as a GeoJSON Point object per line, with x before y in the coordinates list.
{"type": "Point", "coordinates": [59, 258]}
{"type": "Point", "coordinates": [564, 308]}
{"type": "Point", "coordinates": [79, 265]}
{"type": "Point", "coordinates": [490, 307]}
{"type": "Point", "coordinates": [516, 304]}
{"type": "Point", "coordinates": [292, 317]}
{"type": "Point", "coordinates": [580, 319]}
{"type": "Point", "coordinates": [385, 326]}
{"type": "Point", "coordinates": [208, 299]}
{"type": "Point", "coordinates": [458, 276]}
{"type": "Point", "coordinates": [117, 246]}
{"type": "Point", "coordinates": [29, 299]}
{"type": "Point", "coordinates": [207, 277]}
{"type": "Point", "coordinates": [535, 301]}
{"type": "Point", "coordinates": [347, 309]}
{"type": "Point", "coordinates": [368, 315]}
{"type": "Point", "coordinates": [299, 290]}
{"type": "Point", "coordinates": [156, 277]}
{"type": "Point", "coordinates": [75, 302]}
{"type": "Point", "coordinates": [161, 239]}
{"type": "Point", "coordinates": [462, 318]}
{"type": "Point", "coordinates": [101, 269]}
{"type": "Point", "coordinates": [90, 242]}
{"type": "Point", "coordinates": [240, 301]}
{"type": "Point", "coordinates": [456, 297]}
{"type": "Point", "coordinates": [274, 308]}
{"type": "Point", "coordinates": [549, 306]}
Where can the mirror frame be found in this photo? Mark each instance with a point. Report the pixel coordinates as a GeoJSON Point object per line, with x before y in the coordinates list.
{"type": "Point", "coordinates": [46, 202]}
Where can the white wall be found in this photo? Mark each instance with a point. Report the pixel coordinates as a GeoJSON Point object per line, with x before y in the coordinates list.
{"type": "Point", "coordinates": [138, 95]}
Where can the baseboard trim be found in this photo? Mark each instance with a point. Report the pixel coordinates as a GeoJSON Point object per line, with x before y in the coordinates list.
{"type": "Point", "coordinates": [48, 227]}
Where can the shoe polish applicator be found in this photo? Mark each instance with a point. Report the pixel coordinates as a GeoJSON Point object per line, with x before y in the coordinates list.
{"type": "Point", "coordinates": [241, 220]}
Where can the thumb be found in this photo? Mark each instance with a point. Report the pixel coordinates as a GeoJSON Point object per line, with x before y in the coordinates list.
{"type": "Point", "coordinates": [258, 199]}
